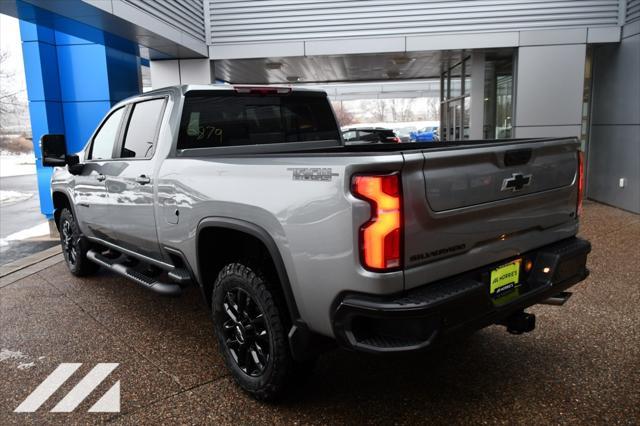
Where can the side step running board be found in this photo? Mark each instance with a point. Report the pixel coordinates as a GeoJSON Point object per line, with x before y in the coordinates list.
{"type": "Point", "coordinates": [159, 287]}
{"type": "Point", "coordinates": [180, 276]}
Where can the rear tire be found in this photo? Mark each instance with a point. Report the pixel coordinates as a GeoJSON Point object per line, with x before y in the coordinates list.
{"type": "Point", "coordinates": [251, 332]}
{"type": "Point", "coordinates": [74, 246]}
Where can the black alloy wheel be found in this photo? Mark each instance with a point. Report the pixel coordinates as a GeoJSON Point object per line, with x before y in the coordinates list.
{"type": "Point", "coordinates": [246, 332]}
{"type": "Point", "coordinates": [69, 243]}
{"type": "Point", "coordinates": [74, 245]}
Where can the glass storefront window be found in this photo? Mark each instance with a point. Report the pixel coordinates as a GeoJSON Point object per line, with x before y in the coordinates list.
{"type": "Point", "coordinates": [455, 104]}
{"type": "Point", "coordinates": [586, 99]}
{"type": "Point", "coordinates": [498, 98]}
{"type": "Point", "coordinates": [455, 81]}
{"type": "Point", "coordinates": [466, 117]}
{"type": "Point", "coordinates": [504, 92]}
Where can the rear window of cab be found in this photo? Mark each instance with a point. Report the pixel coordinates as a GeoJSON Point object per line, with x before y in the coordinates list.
{"type": "Point", "coordinates": [219, 119]}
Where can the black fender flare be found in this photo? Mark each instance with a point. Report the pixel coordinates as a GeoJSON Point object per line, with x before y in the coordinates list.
{"type": "Point", "coordinates": [262, 235]}
{"type": "Point", "coordinates": [56, 212]}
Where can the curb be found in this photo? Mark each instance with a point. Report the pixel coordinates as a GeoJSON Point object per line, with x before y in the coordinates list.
{"type": "Point", "coordinates": [36, 262]}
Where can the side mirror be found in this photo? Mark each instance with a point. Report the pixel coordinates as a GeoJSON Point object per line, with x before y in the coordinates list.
{"type": "Point", "coordinates": [54, 154]}
{"type": "Point", "coordinates": [54, 150]}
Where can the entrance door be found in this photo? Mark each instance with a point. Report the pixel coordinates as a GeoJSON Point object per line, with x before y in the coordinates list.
{"type": "Point", "coordinates": [455, 102]}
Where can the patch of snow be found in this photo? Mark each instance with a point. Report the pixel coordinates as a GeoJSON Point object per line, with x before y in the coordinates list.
{"type": "Point", "coordinates": [24, 362]}
{"type": "Point", "coordinates": [36, 231]}
{"type": "Point", "coordinates": [6, 354]}
{"type": "Point", "coordinates": [17, 165]}
{"type": "Point", "coordinates": [26, 365]}
{"type": "Point", "coordinates": [8, 197]}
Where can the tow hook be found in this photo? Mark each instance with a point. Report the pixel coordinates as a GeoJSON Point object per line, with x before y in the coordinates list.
{"type": "Point", "coordinates": [519, 322]}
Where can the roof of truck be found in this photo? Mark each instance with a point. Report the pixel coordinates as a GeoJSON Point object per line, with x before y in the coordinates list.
{"type": "Point", "coordinates": [178, 90]}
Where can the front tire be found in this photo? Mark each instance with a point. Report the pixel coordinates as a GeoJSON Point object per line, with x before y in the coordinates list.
{"type": "Point", "coordinates": [74, 246]}
{"type": "Point", "coordinates": [251, 333]}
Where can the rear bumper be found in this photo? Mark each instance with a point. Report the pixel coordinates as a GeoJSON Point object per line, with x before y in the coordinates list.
{"type": "Point", "coordinates": [418, 318]}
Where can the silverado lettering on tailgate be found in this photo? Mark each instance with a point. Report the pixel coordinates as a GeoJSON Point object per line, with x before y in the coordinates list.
{"type": "Point", "coordinates": [436, 253]}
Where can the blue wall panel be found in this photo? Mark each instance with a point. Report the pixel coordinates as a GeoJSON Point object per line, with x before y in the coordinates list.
{"type": "Point", "coordinates": [74, 74]}
{"type": "Point", "coordinates": [80, 120]}
{"type": "Point", "coordinates": [41, 65]}
{"type": "Point", "coordinates": [121, 65]}
{"type": "Point", "coordinates": [83, 73]}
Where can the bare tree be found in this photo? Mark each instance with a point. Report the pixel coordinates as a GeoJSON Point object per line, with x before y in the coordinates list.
{"type": "Point", "coordinates": [8, 98]}
{"type": "Point", "coordinates": [344, 116]}
{"type": "Point", "coordinates": [13, 106]}
{"type": "Point", "coordinates": [432, 109]}
{"type": "Point", "coordinates": [377, 109]}
{"type": "Point", "coordinates": [401, 110]}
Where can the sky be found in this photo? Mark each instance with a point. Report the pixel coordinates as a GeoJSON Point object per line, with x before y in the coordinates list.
{"type": "Point", "coordinates": [10, 42]}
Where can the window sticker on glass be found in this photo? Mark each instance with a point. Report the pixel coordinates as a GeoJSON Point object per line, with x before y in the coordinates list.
{"type": "Point", "coordinates": [210, 133]}
{"type": "Point", "coordinates": [193, 128]}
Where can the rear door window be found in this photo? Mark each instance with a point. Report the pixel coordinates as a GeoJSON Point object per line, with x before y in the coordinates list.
{"type": "Point", "coordinates": [142, 129]}
{"type": "Point", "coordinates": [234, 119]}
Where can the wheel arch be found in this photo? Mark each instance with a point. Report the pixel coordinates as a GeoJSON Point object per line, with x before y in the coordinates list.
{"type": "Point", "coordinates": [261, 235]}
{"type": "Point", "coordinates": [61, 200]}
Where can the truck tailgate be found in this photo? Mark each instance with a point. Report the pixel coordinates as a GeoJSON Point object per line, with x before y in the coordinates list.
{"type": "Point", "coordinates": [470, 206]}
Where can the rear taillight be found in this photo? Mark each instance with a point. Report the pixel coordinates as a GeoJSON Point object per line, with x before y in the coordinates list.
{"type": "Point", "coordinates": [580, 182]}
{"type": "Point", "coordinates": [380, 236]}
{"type": "Point", "coordinates": [394, 139]}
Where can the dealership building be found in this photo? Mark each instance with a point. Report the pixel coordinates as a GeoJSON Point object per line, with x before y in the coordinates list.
{"type": "Point", "coordinates": [502, 69]}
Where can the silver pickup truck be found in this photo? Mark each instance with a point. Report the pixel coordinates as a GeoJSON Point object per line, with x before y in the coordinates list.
{"type": "Point", "coordinates": [296, 240]}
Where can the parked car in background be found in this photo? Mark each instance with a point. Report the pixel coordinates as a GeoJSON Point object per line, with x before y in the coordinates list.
{"type": "Point", "coordinates": [426, 134]}
{"type": "Point", "coordinates": [404, 133]}
{"type": "Point", "coordinates": [359, 135]}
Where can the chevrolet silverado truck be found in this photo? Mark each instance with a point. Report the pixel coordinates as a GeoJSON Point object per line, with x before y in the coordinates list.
{"type": "Point", "coordinates": [296, 240]}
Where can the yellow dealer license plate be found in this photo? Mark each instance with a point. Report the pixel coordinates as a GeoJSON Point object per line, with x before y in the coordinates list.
{"type": "Point", "coordinates": [505, 278]}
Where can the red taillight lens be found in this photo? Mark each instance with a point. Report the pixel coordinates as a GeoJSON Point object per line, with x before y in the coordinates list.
{"type": "Point", "coordinates": [580, 182]}
{"type": "Point", "coordinates": [380, 236]}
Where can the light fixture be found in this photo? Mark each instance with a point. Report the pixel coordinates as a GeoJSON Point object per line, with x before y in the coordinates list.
{"type": "Point", "coordinates": [393, 74]}
{"type": "Point", "coordinates": [402, 60]}
{"type": "Point", "coordinates": [293, 78]}
{"type": "Point", "coordinates": [546, 270]}
{"type": "Point", "coordinates": [273, 65]}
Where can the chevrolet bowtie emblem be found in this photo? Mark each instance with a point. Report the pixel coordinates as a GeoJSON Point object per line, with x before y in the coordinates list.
{"type": "Point", "coordinates": [516, 182]}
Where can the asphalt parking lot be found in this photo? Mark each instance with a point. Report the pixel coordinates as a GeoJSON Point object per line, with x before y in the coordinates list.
{"type": "Point", "coordinates": [581, 365]}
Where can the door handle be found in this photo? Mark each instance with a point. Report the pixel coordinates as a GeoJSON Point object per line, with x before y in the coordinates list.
{"type": "Point", "coordinates": [100, 178]}
{"type": "Point", "coordinates": [143, 180]}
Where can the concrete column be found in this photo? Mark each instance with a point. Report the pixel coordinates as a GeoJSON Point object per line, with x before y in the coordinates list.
{"type": "Point", "coordinates": [74, 74]}
{"type": "Point", "coordinates": [181, 71]}
{"type": "Point", "coordinates": [477, 95]}
{"type": "Point", "coordinates": [549, 90]}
